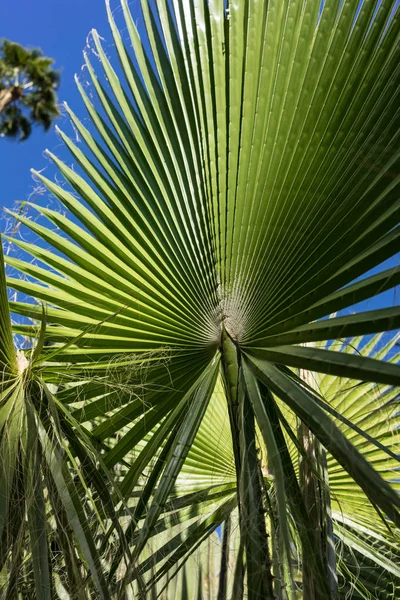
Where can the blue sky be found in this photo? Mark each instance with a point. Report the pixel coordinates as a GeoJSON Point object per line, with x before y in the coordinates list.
{"type": "Point", "coordinates": [61, 28]}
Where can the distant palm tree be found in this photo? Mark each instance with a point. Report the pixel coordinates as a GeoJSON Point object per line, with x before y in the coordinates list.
{"type": "Point", "coordinates": [27, 90]}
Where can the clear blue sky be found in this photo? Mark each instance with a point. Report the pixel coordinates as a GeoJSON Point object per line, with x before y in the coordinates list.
{"type": "Point", "coordinates": [60, 28]}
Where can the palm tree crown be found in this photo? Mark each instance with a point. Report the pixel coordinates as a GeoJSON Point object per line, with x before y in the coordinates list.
{"type": "Point", "coordinates": [27, 90]}
{"type": "Point", "coordinates": [239, 185]}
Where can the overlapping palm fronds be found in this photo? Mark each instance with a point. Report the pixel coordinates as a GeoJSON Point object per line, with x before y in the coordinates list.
{"type": "Point", "coordinates": [239, 181]}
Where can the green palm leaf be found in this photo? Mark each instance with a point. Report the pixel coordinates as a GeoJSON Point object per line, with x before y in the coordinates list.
{"type": "Point", "coordinates": [38, 468]}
